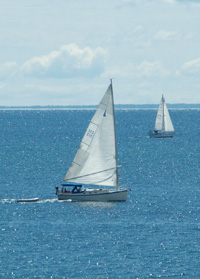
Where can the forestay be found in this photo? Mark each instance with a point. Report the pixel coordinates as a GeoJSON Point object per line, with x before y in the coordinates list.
{"type": "Point", "coordinates": [96, 159]}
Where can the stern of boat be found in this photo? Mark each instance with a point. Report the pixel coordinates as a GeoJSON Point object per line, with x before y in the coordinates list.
{"type": "Point", "coordinates": [151, 134]}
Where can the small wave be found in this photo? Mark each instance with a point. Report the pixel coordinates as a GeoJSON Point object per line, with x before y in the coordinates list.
{"type": "Point", "coordinates": [7, 200]}
{"type": "Point", "coordinates": [39, 201]}
{"type": "Point", "coordinates": [53, 200]}
{"type": "Point", "coordinates": [84, 203]}
{"type": "Point", "coordinates": [47, 200]}
{"type": "Point", "coordinates": [197, 228]}
{"type": "Point", "coordinates": [97, 204]}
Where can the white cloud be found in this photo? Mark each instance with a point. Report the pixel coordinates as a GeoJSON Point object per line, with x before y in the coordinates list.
{"type": "Point", "coordinates": [187, 1]}
{"type": "Point", "coordinates": [145, 69]}
{"type": "Point", "coordinates": [160, 1]}
{"type": "Point", "coordinates": [142, 44]}
{"type": "Point", "coordinates": [151, 69]}
{"type": "Point", "coordinates": [190, 36]}
{"type": "Point", "coordinates": [190, 68]}
{"type": "Point", "coordinates": [2, 85]}
{"type": "Point", "coordinates": [8, 69]}
{"type": "Point", "coordinates": [68, 61]}
{"type": "Point", "coordinates": [165, 35]}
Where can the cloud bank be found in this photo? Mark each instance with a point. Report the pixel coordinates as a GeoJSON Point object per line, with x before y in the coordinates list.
{"type": "Point", "coordinates": [69, 61]}
{"type": "Point", "coordinates": [147, 46]}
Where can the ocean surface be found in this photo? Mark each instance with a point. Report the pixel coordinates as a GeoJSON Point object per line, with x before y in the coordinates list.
{"type": "Point", "coordinates": [155, 234]}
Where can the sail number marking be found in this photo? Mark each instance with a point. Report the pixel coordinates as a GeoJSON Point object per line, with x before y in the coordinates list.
{"type": "Point", "coordinates": [90, 133]}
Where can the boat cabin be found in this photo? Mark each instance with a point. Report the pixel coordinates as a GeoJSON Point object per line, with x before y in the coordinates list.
{"type": "Point", "coordinates": [72, 188]}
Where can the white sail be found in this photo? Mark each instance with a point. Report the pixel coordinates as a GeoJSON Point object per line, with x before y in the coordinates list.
{"type": "Point", "coordinates": [163, 120]}
{"type": "Point", "coordinates": [96, 159]}
{"type": "Point", "coordinates": [168, 126]}
{"type": "Point", "coordinates": [159, 124]}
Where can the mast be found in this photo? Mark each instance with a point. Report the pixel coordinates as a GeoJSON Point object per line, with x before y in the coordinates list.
{"type": "Point", "coordinates": [116, 154]}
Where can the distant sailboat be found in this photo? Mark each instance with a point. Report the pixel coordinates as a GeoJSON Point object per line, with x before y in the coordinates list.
{"type": "Point", "coordinates": [95, 162]}
{"type": "Point", "coordinates": [163, 125]}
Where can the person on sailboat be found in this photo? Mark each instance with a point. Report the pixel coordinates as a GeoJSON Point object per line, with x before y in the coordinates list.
{"type": "Point", "coordinates": [57, 189]}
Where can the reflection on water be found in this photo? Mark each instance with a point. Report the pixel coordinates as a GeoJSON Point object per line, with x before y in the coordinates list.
{"type": "Point", "coordinates": [86, 204]}
{"type": "Point", "coordinates": [98, 204]}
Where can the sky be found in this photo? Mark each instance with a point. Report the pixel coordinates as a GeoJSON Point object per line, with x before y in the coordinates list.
{"type": "Point", "coordinates": [64, 52]}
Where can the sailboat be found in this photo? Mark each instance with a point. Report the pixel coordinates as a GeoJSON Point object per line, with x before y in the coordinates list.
{"type": "Point", "coordinates": [95, 163]}
{"type": "Point", "coordinates": [163, 125]}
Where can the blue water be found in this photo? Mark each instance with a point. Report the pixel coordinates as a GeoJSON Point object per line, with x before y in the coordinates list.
{"type": "Point", "coordinates": [155, 234]}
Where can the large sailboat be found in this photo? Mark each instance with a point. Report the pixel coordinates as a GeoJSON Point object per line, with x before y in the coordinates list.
{"type": "Point", "coordinates": [95, 162]}
{"type": "Point", "coordinates": [163, 125]}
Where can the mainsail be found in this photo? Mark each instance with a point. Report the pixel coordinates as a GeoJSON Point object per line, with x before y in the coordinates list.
{"type": "Point", "coordinates": [96, 159]}
{"type": "Point", "coordinates": [163, 120]}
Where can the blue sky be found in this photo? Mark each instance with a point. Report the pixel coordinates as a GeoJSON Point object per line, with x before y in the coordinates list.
{"type": "Point", "coordinates": [64, 52]}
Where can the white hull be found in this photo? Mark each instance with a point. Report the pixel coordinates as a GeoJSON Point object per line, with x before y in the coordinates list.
{"type": "Point", "coordinates": [163, 134]}
{"type": "Point", "coordinates": [95, 195]}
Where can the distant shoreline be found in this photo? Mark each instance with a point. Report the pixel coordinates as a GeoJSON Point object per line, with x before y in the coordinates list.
{"type": "Point", "coordinates": [91, 107]}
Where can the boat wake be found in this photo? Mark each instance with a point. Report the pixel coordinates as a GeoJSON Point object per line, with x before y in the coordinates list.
{"type": "Point", "coordinates": [37, 201]}
{"type": "Point", "coordinates": [93, 204]}
{"type": "Point", "coordinates": [7, 200]}
{"type": "Point", "coordinates": [52, 200]}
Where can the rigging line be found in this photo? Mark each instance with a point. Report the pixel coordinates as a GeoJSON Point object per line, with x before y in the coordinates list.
{"type": "Point", "coordinates": [72, 178]}
{"type": "Point", "coordinates": [97, 182]}
{"type": "Point", "coordinates": [76, 164]}
{"type": "Point", "coordinates": [94, 123]}
{"type": "Point", "coordinates": [100, 181]}
{"type": "Point", "coordinates": [103, 104]}
{"type": "Point", "coordinates": [85, 143]}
